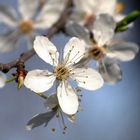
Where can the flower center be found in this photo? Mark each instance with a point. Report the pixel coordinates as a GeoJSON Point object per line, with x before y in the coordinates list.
{"type": "Point", "coordinates": [97, 53]}
{"type": "Point", "coordinates": [61, 72]}
{"type": "Point", "coordinates": [89, 18]}
{"type": "Point", "coordinates": [26, 26]}
{"type": "Point", "coordinates": [119, 7]}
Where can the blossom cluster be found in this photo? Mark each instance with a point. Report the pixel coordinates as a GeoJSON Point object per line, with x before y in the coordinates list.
{"type": "Point", "coordinates": [92, 27]}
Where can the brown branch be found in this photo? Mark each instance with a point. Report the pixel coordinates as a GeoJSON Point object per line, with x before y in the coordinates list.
{"type": "Point", "coordinates": [57, 27]}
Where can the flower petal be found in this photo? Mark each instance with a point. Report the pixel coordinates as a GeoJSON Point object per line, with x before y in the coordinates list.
{"type": "Point", "coordinates": [105, 6]}
{"type": "Point", "coordinates": [87, 78]}
{"type": "Point", "coordinates": [67, 98]}
{"type": "Point", "coordinates": [76, 30]}
{"type": "Point", "coordinates": [46, 50]}
{"type": "Point", "coordinates": [74, 50]}
{"type": "Point", "coordinates": [39, 80]}
{"type": "Point", "coordinates": [40, 119]}
{"type": "Point", "coordinates": [123, 51]}
{"type": "Point", "coordinates": [103, 29]}
{"type": "Point", "coordinates": [28, 8]}
{"type": "Point", "coordinates": [110, 71]}
{"type": "Point", "coordinates": [8, 41]}
{"type": "Point", "coordinates": [50, 13]}
{"type": "Point", "coordinates": [8, 16]}
{"type": "Point", "coordinates": [52, 101]}
{"type": "Point", "coordinates": [87, 6]}
{"type": "Point", "coordinates": [2, 79]}
{"type": "Point", "coordinates": [95, 6]}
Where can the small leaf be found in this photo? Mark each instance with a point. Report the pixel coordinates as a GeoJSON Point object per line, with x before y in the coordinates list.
{"type": "Point", "coordinates": [127, 20]}
{"type": "Point", "coordinates": [40, 119]}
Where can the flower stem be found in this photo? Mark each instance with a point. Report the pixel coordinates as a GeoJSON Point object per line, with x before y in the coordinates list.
{"type": "Point", "coordinates": [11, 79]}
{"type": "Point", "coordinates": [41, 95]}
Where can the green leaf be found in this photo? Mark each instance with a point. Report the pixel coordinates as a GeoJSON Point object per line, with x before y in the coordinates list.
{"type": "Point", "coordinates": [123, 24]}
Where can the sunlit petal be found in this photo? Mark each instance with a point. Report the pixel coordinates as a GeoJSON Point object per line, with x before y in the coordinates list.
{"type": "Point", "coordinates": [67, 98]}
{"type": "Point", "coordinates": [74, 50]}
{"type": "Point", "coordinates": [87, 78]}
{"type": "Point", "coordinates": [46, 50]}
{"type": "Point", "coordinates": [39, 80]}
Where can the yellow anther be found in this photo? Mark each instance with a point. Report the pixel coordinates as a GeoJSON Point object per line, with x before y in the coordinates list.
{"type": "Point", "coordinates": [26, 26]}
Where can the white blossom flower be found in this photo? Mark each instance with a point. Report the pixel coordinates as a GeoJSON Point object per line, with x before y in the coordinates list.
{"type": "Point", "coordinates": [2, 79]}
{"type": "Point", "coordinates": [33, 17]}
{"type": "Point", "coordinates": [87, 10]}
{"type": "Point", "coordinates": [104, 48]}
{"type": "Point", "coordinates": [53, 109]}
{"type": "Point", "coordinates": [41, 80]}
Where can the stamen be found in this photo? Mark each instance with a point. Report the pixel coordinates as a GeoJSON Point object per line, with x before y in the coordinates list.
{"type": "Point", "coordinates": [54, 60]}
{"type": "Point", "coordinates": [73, 57]}
{"type": "Point", "coordinates": [53, 129]}
{"type": "Point", "coordinates": [68, 55]}
{"type": "Point", "coordinates": [76, 60]}
{"type": "Point", "coordinates": [97, 53]}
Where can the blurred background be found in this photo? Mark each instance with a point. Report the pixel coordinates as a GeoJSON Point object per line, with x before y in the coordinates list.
{"type": "Point", "coordinates": [111, 113]}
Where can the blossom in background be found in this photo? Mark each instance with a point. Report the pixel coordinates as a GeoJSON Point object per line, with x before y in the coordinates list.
{"type": "Point", "coordinates": [41, 80]}
{"type": "Point", "coordinates": [2, 79]}
{"type": "Point", "coordinates": [104, 48]}
{"type": "Point", "coordinates": [33, 17]}
{"type": "Point", "coordinates": [86, 10]}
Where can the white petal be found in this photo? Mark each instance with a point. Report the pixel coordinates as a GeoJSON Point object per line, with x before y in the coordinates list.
{"type": "Point", "coordinates": [87, 78]}
{"type": "Point", "coordinates": [28, 8]}
{"type": "Point", "coordinates": [8, 41]}
{"type": "Point", "coordinates": [67, 98]}
{"type": "Point", "coordinates": [39, 80]}
{"type": "Point", "coordinates": [87, 6]}
{"type": "Point", "coordinates": [123, 51]}
{"type": "Point", "coordinates": [119, 17]}
{"type": "Point", "coordinates": [8, 16]}
{"type": "Point", "coordinates": [95, 6]}
{"type": "Point", "coordinates": [50, 13]}
{"type": "Point", "coordinates": [76, 30]}
{"type": "Point", "coordinates": [46, 50]}
{"type": "Point", "coordinates": [110, 71]}
{"type": "Point", "coordinates": [106, 6]}
{"type": "Point", "coordinates": [74, 50]}
{"type": "Point", "coordinates": [2, 79]}
{"type": "Point", "coordinates": [103, 29]}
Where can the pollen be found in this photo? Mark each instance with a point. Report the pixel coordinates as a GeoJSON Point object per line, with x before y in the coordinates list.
{"type": "Point", "coordinates": [89, 18]}
{"type": "Point", "coordinates": [97, 53]}
{"type": "Point", "coordinates": [26, 27]}
{"type": "Point", "coordinates": [61, 72]}
{"type": "Point", "coordinates": [119, 7]}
